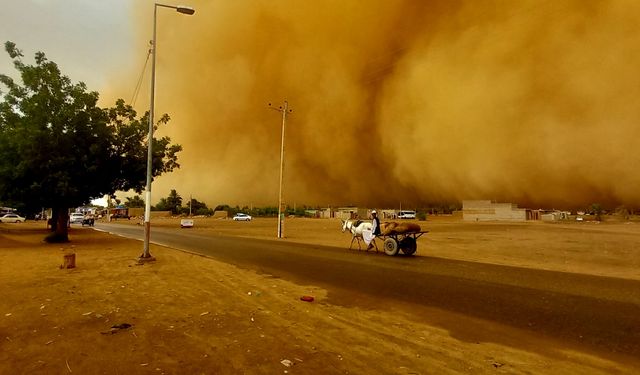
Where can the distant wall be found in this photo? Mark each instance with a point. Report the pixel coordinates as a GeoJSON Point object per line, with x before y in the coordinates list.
{"type": "Point", "coordinates": [325, 213]}
{"type": "Point", "coordinates": [483, 210]}
{"type": "Point", "coordinates": [387, 214]}
{"type": "Point", "coordinates": [137, 211]}
{"type": "Point", "coordinates": [220, 214]}
{"type": "Point", "coordinates": [555, 216]}
{"type": "Point", "coordinates": [159, 213]}
{"type": "Point", "coordinates": [347, 213]}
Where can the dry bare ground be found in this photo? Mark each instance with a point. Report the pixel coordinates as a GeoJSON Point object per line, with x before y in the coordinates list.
{"type": "Point", "coordinates": [193, 315]}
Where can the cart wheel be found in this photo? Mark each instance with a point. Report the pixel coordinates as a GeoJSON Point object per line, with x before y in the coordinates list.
{"type": "Point", "coordinates": [408, 245]}
{"type": "Point", "coordinates": [390, 246]}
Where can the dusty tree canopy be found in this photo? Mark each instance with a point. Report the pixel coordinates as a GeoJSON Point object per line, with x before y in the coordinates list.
{"type": "Point", "coordinates": [59, 149]}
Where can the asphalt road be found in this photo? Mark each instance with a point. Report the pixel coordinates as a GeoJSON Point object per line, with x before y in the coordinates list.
{"type": "Point", "coordinates": [601, 314]}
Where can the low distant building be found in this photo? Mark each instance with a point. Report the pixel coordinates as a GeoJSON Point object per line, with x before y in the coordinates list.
{"type": "Point", "coordinates": [555, 216]}
{"type": "Point", "coordinates": [485, 210]}
{"type": "Point", "coordinates": [348, 213]}
{"type": "Point", "coordinates": [534, 214]}
{"type": "Point", "coordinates": [387, 214]}
{"type": "Point", "coordinates": [324, 213]}
{"type": "Point", "coordinates": [318, 213]}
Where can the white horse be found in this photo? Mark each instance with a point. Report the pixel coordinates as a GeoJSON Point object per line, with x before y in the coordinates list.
{"type": "Point", "coordinates": [355, 227]}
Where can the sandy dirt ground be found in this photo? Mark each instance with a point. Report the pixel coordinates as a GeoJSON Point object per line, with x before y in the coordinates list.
{"type": "Point", "coordinates": [186, 314]}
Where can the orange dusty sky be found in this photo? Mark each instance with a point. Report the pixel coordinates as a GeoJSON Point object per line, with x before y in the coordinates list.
{"type": "Point", "coordinates": [412, 102]}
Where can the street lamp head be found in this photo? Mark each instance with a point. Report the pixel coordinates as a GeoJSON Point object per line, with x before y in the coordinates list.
{"type": "Point", "coordinates": [185, 10]}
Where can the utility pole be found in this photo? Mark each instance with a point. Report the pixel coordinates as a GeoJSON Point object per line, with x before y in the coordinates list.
{"type": "Point", "coordinates": [146, 255]}
{"type": "Point", "coordinates": [284, 110]}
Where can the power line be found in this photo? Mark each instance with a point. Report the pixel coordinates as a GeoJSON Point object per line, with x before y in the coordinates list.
{"type": "Point", "coordinates": [136, 91]}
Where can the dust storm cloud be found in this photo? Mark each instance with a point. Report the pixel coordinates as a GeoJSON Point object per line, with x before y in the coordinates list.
{"type": "Point", "coordinates": [534, 102]}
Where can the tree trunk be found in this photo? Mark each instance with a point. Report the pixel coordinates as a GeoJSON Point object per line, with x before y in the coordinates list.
{"type": "Point", "coordinates": [62, 229]}
{"type": "Point", "coordinates": [61, 224]}
{"type": "Point", "coordinates": [53, 220]}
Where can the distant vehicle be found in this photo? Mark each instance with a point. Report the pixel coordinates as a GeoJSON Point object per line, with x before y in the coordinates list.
{"type": "Point", "coordinates": [76, 218]}
{"type": "Point", "coordinates": [406, 215]}
{"type": "Point", "coordinates": [7, 210]}
{"type": "Point", "coordinates": [88, 220]}
{"type": "Point", "coordinates": [241, 217]}
{"type": "Point", "coordinates": [119, 212]}
{"type": "Point", "coordinates": [11, 218]}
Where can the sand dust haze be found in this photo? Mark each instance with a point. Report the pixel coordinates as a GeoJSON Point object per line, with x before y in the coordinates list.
{"type": "Point", "coordinates": [535, 102]}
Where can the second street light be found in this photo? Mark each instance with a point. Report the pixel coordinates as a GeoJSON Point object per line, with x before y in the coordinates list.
{"type": "Point", "coordinates": [146, 256]}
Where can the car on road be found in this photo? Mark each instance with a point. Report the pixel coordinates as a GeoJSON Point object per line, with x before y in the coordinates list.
{"type": "Point", "coordinates": [241, 217]}
{"type": "Point", "coordinates": [76, 218]}
{"type": "Point", "coordinates": [186, 223]}
{"type": "Point", "coordinates": [11, 218]}
{"type": "Point", "coordinates": [406, 215]}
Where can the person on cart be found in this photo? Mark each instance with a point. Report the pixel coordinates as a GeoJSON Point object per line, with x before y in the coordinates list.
{"type": "Point", "coordinates": [369, 236]}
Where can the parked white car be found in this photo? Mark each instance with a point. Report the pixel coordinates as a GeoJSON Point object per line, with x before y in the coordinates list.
{"type": "Point", "coordinates": [76, 218]}
{"type": "Point", "coordinates": [241, 217]}
{"type": "Point", "coordinates": [11, 218]}
{"type": "Point", "coordinates": [186, 223]}
{"type": "Point", "coordinates": [406, 215]}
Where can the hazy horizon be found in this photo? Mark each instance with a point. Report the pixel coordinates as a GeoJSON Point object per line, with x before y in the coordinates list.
{"type": "Point", "coordinates": [527, 102]}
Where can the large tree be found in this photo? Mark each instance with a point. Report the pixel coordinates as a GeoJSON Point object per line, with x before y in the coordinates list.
{"type": "Point", "coordinates": [197, 208]}
{"type": "Point", "coordinates": [171, 203]}
{"type": "Point", "coordinates": [135, 201]}
{"type": "Point", "coordinates": [59, 149]}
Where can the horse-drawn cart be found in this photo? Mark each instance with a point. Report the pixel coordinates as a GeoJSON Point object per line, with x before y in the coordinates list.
{"type": "Point", "coordinates": [395, 238]}
{"type": "Point", "coordinates": [407, 242]}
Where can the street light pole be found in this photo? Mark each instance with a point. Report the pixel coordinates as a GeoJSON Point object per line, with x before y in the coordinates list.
{"type": "Point", "coordinates": [284, 111]}
{"type": "Point", "coordinates": [146, 256]}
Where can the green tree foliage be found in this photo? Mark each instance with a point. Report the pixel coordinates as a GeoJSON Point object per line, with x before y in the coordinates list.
{"type": "Point", "coordinates": [135, 201]}
{"type": "Point", "coordinates": [263, 211]}
{"type": "Point", "coordinates": [254, 211]}
{"type": "Point", "coordinates": [113, 202]}
{"type": "Point", "coordinates": [297, 211]}
{"type": "Point", "coordinates": [59, 149]}
{"type": "Point", "coordinates": [623, 212]}
{"type": "Point", "coordinates": [174, 204]}
{"type": "Point", "coordinates": [197, 208]}
{"type": "Point", "coordinates": [223, 207]}
{"type": "Point", "coordinates": [597, 210]}
{"type": "Point", "coordinates": [162, 205]}
{"type": "Point", "coordinates": [171, 203]}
